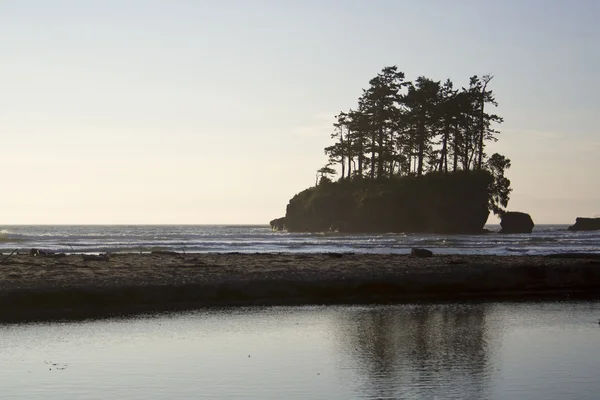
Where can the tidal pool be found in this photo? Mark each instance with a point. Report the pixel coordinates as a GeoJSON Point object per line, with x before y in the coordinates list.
{"type": "Point", "coordinates": [545, 350]}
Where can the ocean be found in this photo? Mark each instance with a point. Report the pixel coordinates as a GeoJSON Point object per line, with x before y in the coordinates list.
{"type": "Point", "coordinates": [545, 239]}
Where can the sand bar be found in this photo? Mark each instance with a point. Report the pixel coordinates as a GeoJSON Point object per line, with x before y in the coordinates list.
{"type": "Point", "coordinates": [38, 287]}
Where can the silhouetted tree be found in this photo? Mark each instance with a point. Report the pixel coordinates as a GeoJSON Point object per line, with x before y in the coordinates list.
{"type": "Point", "coordinates": [358, 129]}
{"type": "Point", "coordinates": [423, 101]}
{"type": "Point", "coordinates": [380, 103]}
{"type": "Point", "coordinates": [485, 120]}
{"type": "Point", "coordinates": [500, 189]}
{"type": "Point", "coordinates": [340, 149]}
{"type": "Point", "coordinates": [409, 128]}
{"type": "Point", "coordinates": [324, 173]}
{"type": "Point", "coordinates": [448, 114]}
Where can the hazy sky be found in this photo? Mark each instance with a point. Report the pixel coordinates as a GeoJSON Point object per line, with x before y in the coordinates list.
{"type": "Point", "coordinates": [218, 111]}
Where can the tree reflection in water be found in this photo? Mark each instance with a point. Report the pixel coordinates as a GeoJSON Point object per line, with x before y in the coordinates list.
{"type": "Point", "coordinates": [427, 351]}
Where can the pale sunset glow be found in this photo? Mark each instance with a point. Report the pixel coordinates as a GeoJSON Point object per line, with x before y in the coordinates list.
{"type": "Point", "coordinates": [210, 112]}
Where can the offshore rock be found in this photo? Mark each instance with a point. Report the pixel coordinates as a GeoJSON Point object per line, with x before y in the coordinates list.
{"type": "Point", "coordinates": [278, 224]}
{"type": "Point", "coordinates": [586, 224]}
{"type": "Point", "coordinates": [516, 222]}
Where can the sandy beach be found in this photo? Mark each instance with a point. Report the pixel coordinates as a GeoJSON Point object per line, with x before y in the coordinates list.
{"type": "Point", "coordinates": [39, 287]}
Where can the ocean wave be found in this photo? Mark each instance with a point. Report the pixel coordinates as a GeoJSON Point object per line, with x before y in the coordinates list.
{"type": "Point", "coordinates": [516, 250]}
{"type": "Point", "coordinates": [9, 237]}
{"type": "Point", "coordinates": [262, 239]}
{"type": "Point", "coordinates": [544, 239]}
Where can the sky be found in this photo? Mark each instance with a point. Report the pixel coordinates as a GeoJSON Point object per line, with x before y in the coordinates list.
{"type": "Point", "coordinates": [217, 112]}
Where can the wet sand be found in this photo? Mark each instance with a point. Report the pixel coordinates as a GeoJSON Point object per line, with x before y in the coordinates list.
{"type": "Point", "coordinates": [39, 287]}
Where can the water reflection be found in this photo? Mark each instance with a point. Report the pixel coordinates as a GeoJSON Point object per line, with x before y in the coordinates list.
{"type": "Point", "coordinates": [467, 351]}
{"type": "Point", "coordinates": [424, 351]}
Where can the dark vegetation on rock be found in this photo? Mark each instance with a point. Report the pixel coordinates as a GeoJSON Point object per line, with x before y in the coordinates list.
{"type": "Point", "coordinates": [411, 158]}
{"type": "Point", "coordinates": [586, 224]}
{"type": "Point", "coordinates": [516, 222]}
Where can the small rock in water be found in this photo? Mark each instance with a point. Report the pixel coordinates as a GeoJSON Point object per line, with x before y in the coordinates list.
{"type": "Point", "coordinates": [421, 253]}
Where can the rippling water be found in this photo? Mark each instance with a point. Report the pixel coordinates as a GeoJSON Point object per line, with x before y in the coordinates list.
{"type": "Point", "coordinates": [259, 238]}
{"type": "Point", "coordinates": [444, 351]}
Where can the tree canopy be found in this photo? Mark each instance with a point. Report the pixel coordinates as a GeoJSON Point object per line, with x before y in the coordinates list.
{"type": "Point", "coordinates": [401, 128]}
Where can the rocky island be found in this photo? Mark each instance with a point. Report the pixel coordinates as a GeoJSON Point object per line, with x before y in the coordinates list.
{"type": "Point", "coordinates": [586, 224]}
{"type": "Point", "coordinates": [411, 158]}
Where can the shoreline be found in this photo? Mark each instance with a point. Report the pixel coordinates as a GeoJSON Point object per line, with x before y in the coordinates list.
{"type": "Point", "coordinates": [53, 288]}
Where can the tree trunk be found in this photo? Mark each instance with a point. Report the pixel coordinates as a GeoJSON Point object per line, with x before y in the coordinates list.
{"type": "Point", "coordinates": [343, 160]}
{"type": "Point", "coordinates": [410, 154]}
{"type": "Point", "coordinates": [360, 156]}
{"type": "Point", "coordinates": [380, 151]}
{"type": "Point", "coordinates": [444, 156]}
{"type": "Point", "coordinates": [455, 149]}
{"type": "Point", "coordinates": [421, 144]}
{"type": "Point", "coordinates": [467, 140]}
{"type": "Point", "coordinates": [373, 142]}
{"type": "Point", "coordinates": [481, 127]}
{"type": "Point", "coordinates": [349, 166]}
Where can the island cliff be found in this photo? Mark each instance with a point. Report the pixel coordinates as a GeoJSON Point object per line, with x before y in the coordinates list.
{"type": "Point", "coordinates": [453, 203]}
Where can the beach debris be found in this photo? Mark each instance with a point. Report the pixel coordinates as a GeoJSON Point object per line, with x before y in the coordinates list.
{"type": "Point", "coordinates": [58, 366]}
{"type": "Point", "coordinates": [45, 253]}
{"type": "Point", "coordinates": [335, 255]}
{"type": "Point", "coordinates": [8, 256]}
{"type": "Point", "coordinates": [96, 257]}
{"type": "Point", "coordinates": [421, 253]}
{"type": "Point", "coordinates": [54, 255]}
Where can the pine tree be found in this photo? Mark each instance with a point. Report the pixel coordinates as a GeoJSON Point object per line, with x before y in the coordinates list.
{"type": "Point", "coordinates": [380, 103]}
{"type": "Point", "coordinates": [423, 102]}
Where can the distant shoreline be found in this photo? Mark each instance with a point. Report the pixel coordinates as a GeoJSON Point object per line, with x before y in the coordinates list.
{"type": "Point", "coordinates": [49, 288]}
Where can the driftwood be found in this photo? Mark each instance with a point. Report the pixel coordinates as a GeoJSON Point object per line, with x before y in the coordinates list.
{"type": "Point", "coordinates": [96, 257]}
{"type": "Point", "coordinates": [8, 256]}
{"type": "Point", "coordinates": [53, 255]}
{"type": "Point", "coordinates": [45, 253]}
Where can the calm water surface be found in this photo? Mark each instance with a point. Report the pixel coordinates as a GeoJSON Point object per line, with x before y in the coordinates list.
{"type": "Point", "coordinates": [461, 351]}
